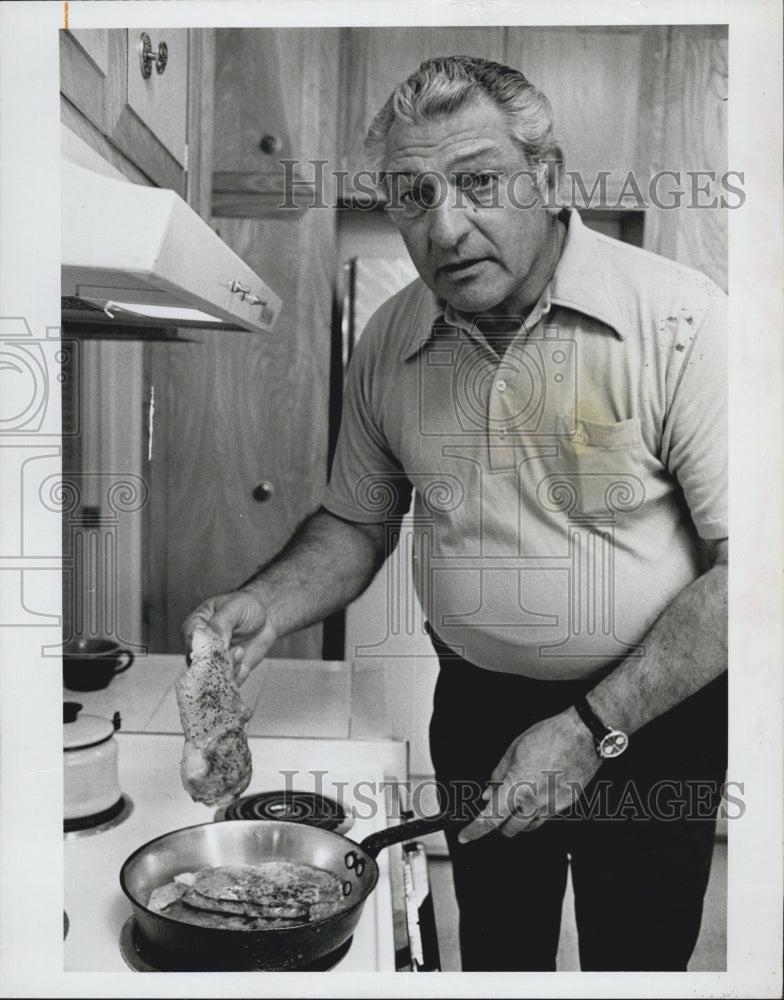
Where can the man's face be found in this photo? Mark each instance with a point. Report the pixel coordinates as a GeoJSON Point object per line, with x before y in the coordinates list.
{"type": "Point", "coordinates": [470, 240]}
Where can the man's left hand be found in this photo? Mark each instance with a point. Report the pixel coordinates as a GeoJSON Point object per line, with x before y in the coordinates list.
{"type": "Point", "coordinates": [542, 773]}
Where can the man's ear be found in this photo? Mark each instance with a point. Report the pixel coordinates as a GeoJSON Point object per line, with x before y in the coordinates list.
{"type": "Point", "coordinates": [549, 175]}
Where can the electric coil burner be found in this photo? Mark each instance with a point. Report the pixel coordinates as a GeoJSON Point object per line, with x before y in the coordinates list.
{"type": "Point", "coordinates": [289, 806]}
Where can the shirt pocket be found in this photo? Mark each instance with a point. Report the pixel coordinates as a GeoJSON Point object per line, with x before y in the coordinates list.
{"type": "Point", "coordinates": [598, 468]}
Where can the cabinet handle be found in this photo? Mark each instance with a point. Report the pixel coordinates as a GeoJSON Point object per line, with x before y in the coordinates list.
{"type": "Point", "coordinates": [149, 56]}
{"type": "Point", "coordinates": [264, 491]}
{"type": "Point", "coordinates": [245, 294]}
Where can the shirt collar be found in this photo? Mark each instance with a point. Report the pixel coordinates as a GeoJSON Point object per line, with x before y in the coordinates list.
{"type": "Point", "coordinates": [576, 284]}
{"type": "Point", "coordinates": [580, 282]}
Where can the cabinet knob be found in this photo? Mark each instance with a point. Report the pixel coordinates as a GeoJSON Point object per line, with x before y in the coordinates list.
{"type": "Point", "coordinates": [271, 143]}
{"type": "Point", "coordinates": [264, 491]}
{"type": "Point", "coordinates": [149, 57]}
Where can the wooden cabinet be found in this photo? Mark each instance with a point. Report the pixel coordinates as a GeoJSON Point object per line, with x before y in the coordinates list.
{"type": "Point", "coordinates": [693, 137]}
{"type": "Point", "coordinates": [118, 109]}
{"type": "Point", "coordinates": [276, 99]}
{"type": "Point", "coordinates": [236, 410]}
{"type": "Point", "coordinates": [600, 82]}
{"type": "Point", "coordinates": [157, 101]}
{"type": "Point", "coordinates": [374, 60]}
{"type": "Point", "coordinates": [90, 61]}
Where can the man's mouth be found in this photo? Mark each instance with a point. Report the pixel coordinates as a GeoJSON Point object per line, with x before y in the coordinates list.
{"type": "Point", "coordinates": [458, 267]}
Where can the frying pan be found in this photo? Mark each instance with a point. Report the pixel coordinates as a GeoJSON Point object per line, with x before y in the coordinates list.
{"type": "Point", "coordinates": [176, 945]}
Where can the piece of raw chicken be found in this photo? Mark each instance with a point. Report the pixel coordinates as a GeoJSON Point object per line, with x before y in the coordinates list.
{"type": "Point", "coordinates": [216, 762]}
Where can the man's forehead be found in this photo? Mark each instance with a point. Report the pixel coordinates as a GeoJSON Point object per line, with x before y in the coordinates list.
{"type": "Point", "coordinates": [465, 154]}
{"type": "Point", "coordinates": [469, 134]}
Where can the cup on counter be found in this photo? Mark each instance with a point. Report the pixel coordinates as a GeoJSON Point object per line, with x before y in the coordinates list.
{"type": "Point", "coordinates": [90, 664]}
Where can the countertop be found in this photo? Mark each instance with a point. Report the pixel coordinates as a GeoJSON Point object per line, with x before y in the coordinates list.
{"type": "Point", "coordinates": [301, 699]}
{"type": "Point", "coordinates": [297, 698]}
{"type": "Point", "coordinates": [305, 699]}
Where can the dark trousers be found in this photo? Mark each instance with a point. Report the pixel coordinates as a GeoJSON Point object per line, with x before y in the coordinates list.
{"type": "Point", "coordinates": [639, 840]}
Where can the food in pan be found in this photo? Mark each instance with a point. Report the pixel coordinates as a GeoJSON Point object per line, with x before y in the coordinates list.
{"type": "Point", "coordinates": [250, 897]}
{"type": "Point", "coordinates": [216, 762]}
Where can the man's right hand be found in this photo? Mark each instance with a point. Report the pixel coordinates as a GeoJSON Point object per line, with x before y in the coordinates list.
{"type": "Point", "coordinates": [240, 619]}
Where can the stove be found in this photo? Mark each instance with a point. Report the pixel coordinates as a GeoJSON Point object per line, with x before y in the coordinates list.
{"type": "Point", "coordinates": [102, 935]}
{"type": "Point", "coordinates": [140, 957]}
{"type": "Point", "coordinates": [291, 806]}
{"type": "Point", "coordinates": [86, 826]}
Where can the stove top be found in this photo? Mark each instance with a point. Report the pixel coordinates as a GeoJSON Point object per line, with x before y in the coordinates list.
{"type": "Point", "coordinates": [290, 806]}
{"type": "Point", "coordinates": [86, 826]}
{"type": "Point", "coordinates": [149, 765]}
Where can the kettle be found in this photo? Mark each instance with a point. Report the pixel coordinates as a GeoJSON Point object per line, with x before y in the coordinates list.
{"type": "Point", "coordinates": [91, 784]}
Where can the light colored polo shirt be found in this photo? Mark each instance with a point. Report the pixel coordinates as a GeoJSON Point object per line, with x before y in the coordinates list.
{"type": "Point", "coordinates": [560, 492]}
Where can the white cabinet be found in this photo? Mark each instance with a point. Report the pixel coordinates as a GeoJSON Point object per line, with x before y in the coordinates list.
{"type": "Point", "coordinates": [130, 116]}
{"type": "Point", "coordinates": [160, 99]}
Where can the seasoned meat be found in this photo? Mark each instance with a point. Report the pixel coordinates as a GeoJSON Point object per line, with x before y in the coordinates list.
{"type": "Point", "coordinates": [223, 921]}
{"type": "Point", "coordinates": [216, 761]}
{"type": "Point", "coordinates": [273, 893]}
{"type": "Point", "coordinates": [299, 912]}
{"type": "Point", "coordinates": [165, 895]}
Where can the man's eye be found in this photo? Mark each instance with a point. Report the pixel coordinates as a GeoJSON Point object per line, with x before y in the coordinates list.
{"type": "Point", "coordinates": [418, 198]}
{"type": "Point", "coordinates": [480, 187]}
{"type": "Point", "coordinates": [409, 203]}
{"type": "Point", "coordinates": [474, 182]}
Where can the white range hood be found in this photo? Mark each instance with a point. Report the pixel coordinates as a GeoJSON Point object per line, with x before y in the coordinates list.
{"type": "Point", "coordinates": [138, 255]}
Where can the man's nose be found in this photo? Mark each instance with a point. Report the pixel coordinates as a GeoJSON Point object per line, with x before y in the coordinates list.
{"type": "Point", "coordinates": [449, 222]}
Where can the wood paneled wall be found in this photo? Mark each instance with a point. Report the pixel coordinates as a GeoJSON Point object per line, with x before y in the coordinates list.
{"type": "Point", "coordinates": [693, 127]}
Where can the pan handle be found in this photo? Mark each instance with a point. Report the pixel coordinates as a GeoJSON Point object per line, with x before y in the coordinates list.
{"type": "Point", "coordinates": [412, 828]}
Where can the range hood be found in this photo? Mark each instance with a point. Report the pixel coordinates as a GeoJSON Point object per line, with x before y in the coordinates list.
{"type": "Point", "coordinates": [137, 257]}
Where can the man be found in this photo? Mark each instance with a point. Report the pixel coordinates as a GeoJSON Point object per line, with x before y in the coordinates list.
{"type": "Point", "coordinates": [555, 399]}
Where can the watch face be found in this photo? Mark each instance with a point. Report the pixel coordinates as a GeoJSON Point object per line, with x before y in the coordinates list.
{"type": "Point", "coordinates": [613, 744]}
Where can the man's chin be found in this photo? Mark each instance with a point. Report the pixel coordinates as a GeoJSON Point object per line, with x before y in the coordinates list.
{"type": "Point", "coordinates": [477, 304]}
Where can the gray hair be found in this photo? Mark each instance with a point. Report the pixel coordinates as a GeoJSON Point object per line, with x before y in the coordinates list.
{"type": "Point", "coordinates": [446, 83]}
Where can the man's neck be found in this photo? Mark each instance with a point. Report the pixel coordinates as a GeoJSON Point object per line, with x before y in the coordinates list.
{"type": "Point", "coordinates": [499, 331]}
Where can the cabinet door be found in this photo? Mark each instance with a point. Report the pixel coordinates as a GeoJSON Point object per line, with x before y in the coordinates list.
{"type": "Point", "coordinates": [275, 99]}
{"type": "Point", "coordinates": [374, 60]}
{"type": "Point", "coordinates": [160, 99]}
{"type": "Point", "coordinates": [593, 79]}
{"type": "Point", "coordinates": [236, 410]}
{"type": "Point", "coordinates": [151, 127]}
{"type": "Point", "coordinates": [91, 62]}
{"type": "Point", "coordinates": [233, 411]}
{"type": "Point", "coordinates": [126, 118]}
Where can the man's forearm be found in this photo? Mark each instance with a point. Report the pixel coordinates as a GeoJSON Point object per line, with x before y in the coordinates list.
{"type": "Point", "coordinates": [685, 650]}
{"type": "Point", "coordinates": [326, 564]}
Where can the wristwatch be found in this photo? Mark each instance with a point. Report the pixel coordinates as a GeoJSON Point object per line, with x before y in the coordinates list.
{"type": "Point", "coordinates": [609, 742]}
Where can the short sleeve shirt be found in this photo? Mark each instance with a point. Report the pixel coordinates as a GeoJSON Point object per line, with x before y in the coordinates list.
{"type": "Point", "coordinates": [560, 492]}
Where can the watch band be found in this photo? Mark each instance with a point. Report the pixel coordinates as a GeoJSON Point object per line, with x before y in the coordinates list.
{"type": "Point", "coordinates": [591, 719]}
{"type": "Point", "coordinates": [609, 742]}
